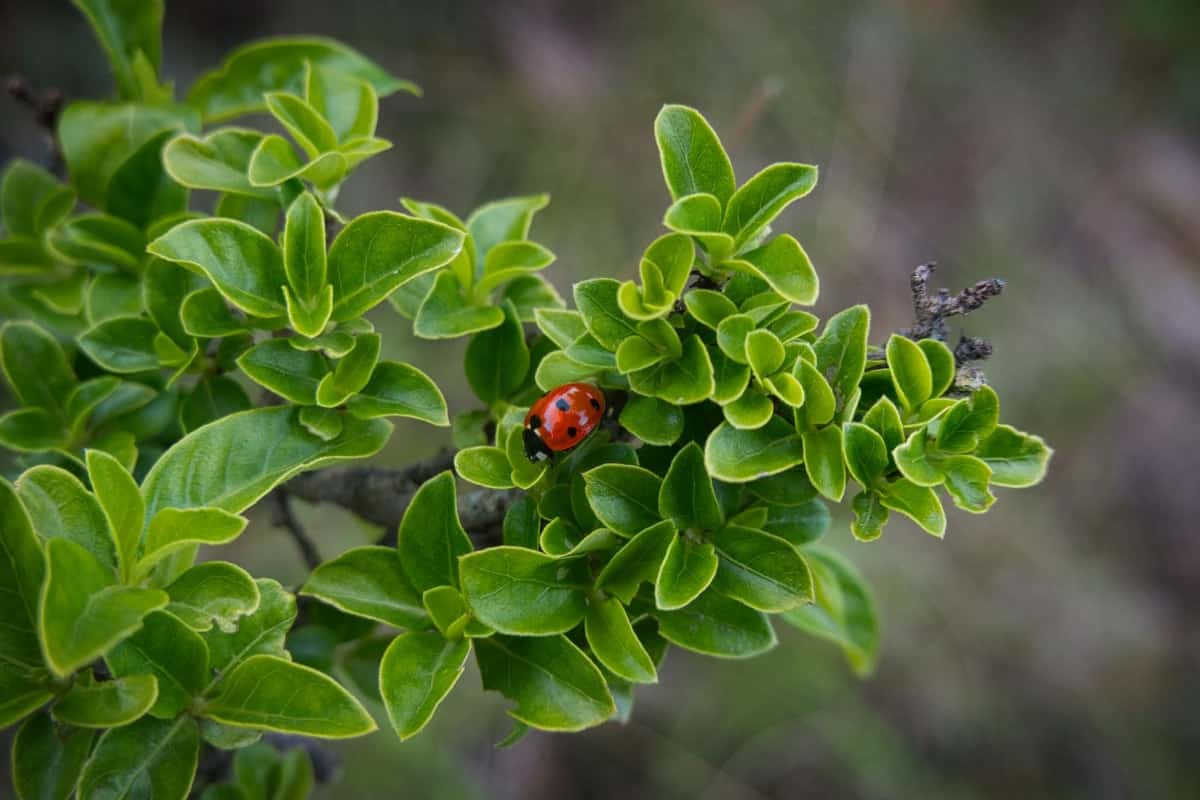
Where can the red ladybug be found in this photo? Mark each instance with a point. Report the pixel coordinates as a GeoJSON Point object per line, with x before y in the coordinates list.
{"type": "Point", "coordinates": [561, 419]}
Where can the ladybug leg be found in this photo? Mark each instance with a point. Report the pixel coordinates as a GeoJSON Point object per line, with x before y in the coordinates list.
{"type": "Point", "coordinates": [536, 450]}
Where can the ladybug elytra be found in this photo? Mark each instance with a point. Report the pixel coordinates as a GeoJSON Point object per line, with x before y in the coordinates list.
{"type": "Point", "coordinates": [561, 419]}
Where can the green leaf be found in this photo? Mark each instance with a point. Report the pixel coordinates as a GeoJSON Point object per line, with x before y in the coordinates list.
{"type": "Point", "coordinates": [352, 372]}
{"type": "Point", "coordinates": [800, 524]}
{"type": "Point", "coordinates": [639, 560]}
{"type": "Point", "coordinates": [243, 263]}
{"type": "Point", "coordinates": [497, 360]}
{"type": "Point", "coordinates": [35, 366]}
{"type": "Point", "coordinates": [525, 473]}
{"type": "Point", "coordinates": [204, 313]}
{"type": "Point", "coordinates": [151, 758]}
{"type": "Point", "coordinates": [141, 191]}
{"type": "Point", "coordinates": [47, 759]}
{"type": "Point", "coordinates": [380, 251]}
{"type": "Point", "coordinates": [368, 582]}
{"type": "Point", "coordinates": [509, 260]}
{"type": "Point", "coordinates": [683, 381]}
{"type": "Point", "coordinates": [731, 336]}
{"type": "Point", "coordinates": [261, 631]}
{"type": "Point", "coordinates": [919, 503]}
{"type": "Point", "coordinates": [941, 365]}
{"type": "Point", "coordinates": [98, 239]}
{"type": "Point", "coordinates": [686, 496]}
{"type": "Point", "coordinates": [715, 625]}
{"type": "Point", "coordinates": [275, 163]}
{"type": "Point", "coordinates": [484, 466]}
{"type": "Point", "coordinates": [125, 29]}
{"type": "Point", "coordinates": [416, 673]}
{"type": "Point", "coordinates": [967, 422]}
{"type": "Point", "coordinates": [213, 397]}
{"type": "Point", "coordinates": [555, 686]}
{"type": "Point", "coordinates": [693, 159]}
{"type": "Point", "coordinates": [524, 592]}
{"type": "Point", "coordinates": [654, 421]}
{"type": "Point", "coordinates": [267, 692]}
{"type": "Point", "coordinates": [213, 592]}
{"type": "Point", "coordinates": [623, 497]}
{"type": "Point", "coordinates": [122, 344]}
{"type": "Point", "coordinates": [910, 370]}
{"type": "Point", "coordinates": [730, 378]}
{"type": "Point", "coordinates": [866, 453]}
{"type": "Point", "coordinates": [739, 456]}
{"type": "Point", "coordinates": [709, 307]}
{"type": "Point", "coordinates": [765, 353]}
{"type": "Point", "coordinates": [170, 651]}
{"type": "Point", "coordinates": [1016, 459]}
{"type": "Point", "coordinates": [760, 199]}
{"type": "Point", "coordinates": [884, 419]}
{"type": "Point", "coordinates": [506, 220]}
{"type": "Point", "coordinates": [762, 571]}
{"type": "Point", "coordinates": [278, 64]}
{"type": "Point", "coordinates": [870, 515]}
{"type": "Point", "coordinates": [61, 507]}
{"type": "Point", "coordinates": [218, 162]}
{"type": "Point", "coordinates": [400, 390]}
{"type": "Point", "coordinates": [350, 105]}
{"type": "Point", "coordinates": [82, 614]}
{"type": "Point", "coordinates": [844, 612]}
{"type": "Point", "coordinates": [31, 199]}
{"type": "Point", "coordinates": [304, 251]}
{"type": "Point", "coordinates": [614, 643]}
{"type": "Point", "coordinates": [324, 423]}
{"type": "Point", "coordinates": [967, 479]}
{"type": "Point", "coordinates": [173, 528]}
{"type": "Point", "coordinates": [31, 430]}
{"type": "Point", "coordinates": [444, 313]}
{"type": "Point", "coordinates": [637, 353]}
{"type": "Point", "coordinates": [824, 461]}
{"type": "Point", "coordinates": [304, 123]}
{"type": "Point", "coordinates": [561, 326]}
{"type": "Point", "coordinates": [687, 570]}
{"type": "Point", "coordinates": [22, 567]}
{"type": "Point", "coordinates": [431, 538]}
{"type": "Point", "coordinates": [784, 265]}
{"type": "Point", "coordinates": [290, 373]}
{"type": "Point", "coordinates": [97, 138]}
{"type": "Point", "coordinates": [913, 460]}
{"type": "Point", "coordinates": [596, 300]}
{"type": "Point", "coordinates": [842, 351]}
{"type": "Point", "coordinates": [121, 501]}
{"type": "Point", "coordinates": [522, 523]}
{"type": "Point", "coordinates": [234, 461]}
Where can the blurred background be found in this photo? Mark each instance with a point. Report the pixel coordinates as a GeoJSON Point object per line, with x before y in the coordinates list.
{"type": "Point", "coordinates": [1047, 649]}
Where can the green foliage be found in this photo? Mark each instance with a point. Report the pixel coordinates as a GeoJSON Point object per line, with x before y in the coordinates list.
{"type": "Point", "coordinates": [171, 361]}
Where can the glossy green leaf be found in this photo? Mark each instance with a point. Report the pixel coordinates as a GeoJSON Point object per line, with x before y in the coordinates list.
{"type": "Point", "coordinates": [760, 570]}
{"type": "Point", "coordinates": [205, 313]}
{"type": "Point", "coordinates": [709, 307]}
{"type": "Point", "coordinates": [213, 397]}
{"type": "Point", "coordinates": [1016, 459]}
{"type": "Point", "coordinates": [484, 466]}
{"type": "Point", "coordinates": [842, 351]}
{"type": "Point", "coordinates": [61, 507]}
{"type": "Point", "coordinates": [614, 643]}
{"type": "Point", "coordinates": [170, 651]}
{"type": "Point", "coordinates": [654, 421]}
{"type": "Point", "coordinates": [639, 560]}
{"type": "Point", "coordinates": [218, 161]}
{"type": "Point", "coordinates": [32, 430]}
{"type": "Point", "coordinates": [233, 462]}
{"type": "Point", "coordinates": [693, 159]}
{"type": "Point", "coordinates": [865, 452]}
{"type": "Point", "coordinates": [431, 538]}
{"type": "Point", "coordinates": [47, 759]}
{"type": "Point", "coordinates": [290, 373]}
{"type": "Point", "coordinates": [141, 191]}
{"type": "Point", "coordinates": [505, 220]}
{"type": "Point", "coordinates": [368, 582]}
{"type": "Point", "coordinates": [122, 344]}
{"type": "Point", "coordinates": [596, 300]}
{"type": "Point", "coordinates": [35, 366]}
{"type": "Point", "coordinates": [687, 570]}
{"type": "Point", "coordinates": [125, 29]}
{"type": "Point", "coordinates": [884, 418]}
{"type": "Point", "coordinates": [304, 259]}
{"type": "Point", "coordinates": [784, 265]}
{"type": "Point", "coordinates": [82, 613]}
{"type": "Point", "coordinates": [213, 592]}
{"type": "Point", "coordinates": [270, 693]}
{"type": "Point", "coordinates": [243, 263]}
{"type": "Point", "coordinates": [351, 373]}
{"type": "Point", "coordinates": [400, 390]}
{"type": "Point", "coordinates": [916, 461]}
{"type": "Point", "coordinates": [118, 495]}
{"type": "Point", "coordinates": [31, 199]}
{"type": "Point", "coordinates": [918, 503]}
{"type": "Point", "coordinates": [683, 381]}
{"type": "Point", "coordinates": [260, 632]}
{"type": "Point", "coordinates": [716, 625]}
{"type": "Point", "coordinates": [173, 528]}
{"type": "Point", "coordinates": [686, 496]}
{"type": "Point", "coordinates": [523, 592]}
{"type": "Point", "coordinates": [967, 479]}
{"type": "Point", "coordinates": [870, 515]}
{"type": "Point", "coordinates": [624, 497]}
{"type": "Point", "coordinates": [942, 368]}
{"type": "Point", "coordinates": [445, 313]}
{"type": "Point", "coordinates": [761, 199]}
{"type": "Point", "coordinates": [555, 686]}
{"type": "Point", "coordinates": [278, 64]}
{"type": "Point", "coordinates": [416, 673]}
{"type": "Point", "coordinates": [738, 456]}
{"type": "Point", "coordinates": [824, 461]}
{"type": "Point", "coordinates": [967, 422]}
{"type": "Point", "coordinates": [303, 123]}
{"type": "Point", "coordinates": [731, 336]}
{"type": "Point", "coordinates": [911, 374]}
{"type": "Point", "coordinates": [497, 360]}
{"type": "Point", "coordinates": [562, 326]}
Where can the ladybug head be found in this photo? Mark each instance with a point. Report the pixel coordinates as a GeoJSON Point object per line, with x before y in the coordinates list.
{"type": "Point", "coordinates": [535, 448]}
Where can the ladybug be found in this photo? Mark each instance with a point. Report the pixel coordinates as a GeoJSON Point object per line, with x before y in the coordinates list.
{"type": "Point", "coordinates": [561, 419]}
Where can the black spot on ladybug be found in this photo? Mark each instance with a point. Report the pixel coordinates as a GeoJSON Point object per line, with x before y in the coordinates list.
{"type": "Point", "coordinates": [535, 421]}
{"type": "Point", "coordinates": [595, 403]}
{"type": "Point", "coordinates": [571, 431]}
{"type": "Point", "coordinates": [562, 405]}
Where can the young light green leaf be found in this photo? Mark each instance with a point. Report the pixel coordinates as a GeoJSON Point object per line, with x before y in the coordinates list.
{"type": "Point", "coordinates": [739, 456]}
{"type": "Point", "coordinates": [623, 497]}
{"type": "Point", "coordinates": [870, 515]}
{"type": "Point", "coordinates": [1016, 459]}
{"type": "Point", "coordinates": [919, 503]}
{"type": "Point", "coordinates": [352, 372]}
{"type": "Point", "coordinates": [304, 259]}
{"type": "Point", "coordinates": [119, 497]}
{"type": "Point", "coordinates": [506, 220]}
{"type": "Point", "coordinates": [967, 479]}
{"type": "Point", "coordinates": [910, 370]}
{"type": "Point", "coordinates": [639, 560]}
{"type": "Point", "coordinates": [400, 390]}
{"type": "Point", "coordinates": [687, 570]}
{"type": "Point", "coordinates": [445, 313]}
{"type": "Point", "coordinates": [304, 123]}
{"type": "Point", "coordinates": [693, 159]}
{"type": "Point", "coordinates": [941, 365]}
{"type": "Point", "coordinates": [523, 592]}
{"type": "Point", "coordinates": [61, 507]}
{"type": "Point", "coordinates": [368, 582]}
{"type": "Point", "coordinates": [842, 351]}
{"type": "Point", "coordinates": [416, 673]}
{"type": "Point", "coordinates": [784, 265]}
{"type": "Point", "coordinates": [596, 300]}
{"type": "Point", "coordinates": [173, 528]}
{"type": "Point", "coordinates": [654, 421]}
{"type": "Point", "coordinates": [709, 307]}
{"type": "Point", "coordinates": [884, 419]}
{"type": "Point", "coordinates": [484, 466]}
{"type": "Point", "coordinates": [866, 453]}
{"type": "Point", "coordinates": [561, 326]}
{"type": "Point", "coordinates": [967, 422]}
{"type": "Point", "coordinates": [218, 161]}
{"type": "Point", "coordinates": [554, 684]}
{"type": "Point", "coordinates": [614, 643]}
{"type": "Point", "coordinates": [916, 462]}
{"type": "Point", "coordinates": [243, 263]}
{"type": "Point", "coordinates": [763, 197]}
{"type": "Point", "coordinates": [82, 613]}
{"type": "Point", "coordinates": [213, 592]}
{"type": "Point", "coordinates": [682, 381]}
{"type": "Point", "coordinates": [760, 570]}
{"type": "Point", "coordinates": [716, 625]}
